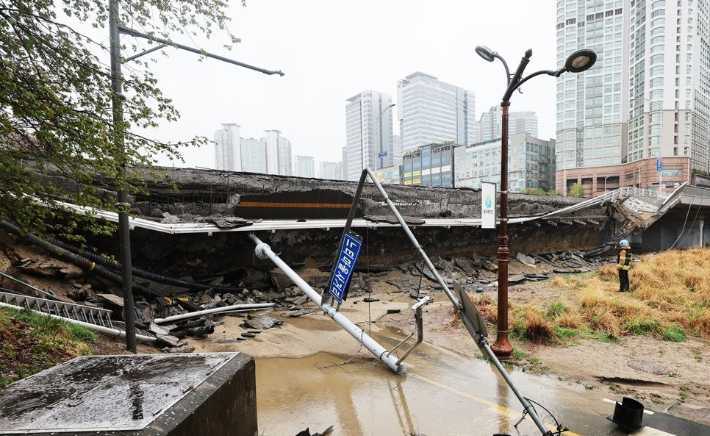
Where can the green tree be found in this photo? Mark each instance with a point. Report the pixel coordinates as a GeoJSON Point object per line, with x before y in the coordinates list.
{"type": "Point", "coordinates": [57, 138]}
{"type": "Point", "coordinates": [576, 190]}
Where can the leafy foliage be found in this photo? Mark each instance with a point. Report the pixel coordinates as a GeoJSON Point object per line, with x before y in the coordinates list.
{"type": "Point", "coordinates": [58, 140]}
{"type": "Point", "coordinates": [576, 190]}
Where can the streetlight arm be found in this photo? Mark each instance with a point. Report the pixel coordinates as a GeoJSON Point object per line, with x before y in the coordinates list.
{"type": "Point", "coordinates": [505, 64]}
{"type": "Point", "coordinates": [514, 83]}
{"type": "Point", "coordinates": [510, 91]}
{"type": "Point", "coordinates": [138, 34]}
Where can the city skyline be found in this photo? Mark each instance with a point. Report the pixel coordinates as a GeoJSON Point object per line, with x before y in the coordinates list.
{"type": "Point", "coordinates": [325, 63]}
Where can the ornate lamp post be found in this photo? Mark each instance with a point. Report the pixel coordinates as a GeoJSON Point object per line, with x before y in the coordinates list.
{"type": "Point", "coordinates": [579, 61]}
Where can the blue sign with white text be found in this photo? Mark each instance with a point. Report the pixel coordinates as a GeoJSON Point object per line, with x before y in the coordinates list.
{"type": "Point", "coordinates": [340, 279]}
{"type": "Point", "coordinates": [659, 164]}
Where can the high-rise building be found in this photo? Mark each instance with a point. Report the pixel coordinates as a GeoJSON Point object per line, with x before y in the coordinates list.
{"type": "Point", "coordinates": [278, 153]}
{"type": "Point", "coordinates": [429, 165]}
{"type": "Point", "coordinates": [305, 166]}
{"type": "Point", "coordinates": [253, 155]}
{"type": "Point", "coordinates": [434, 112]}
{"type": "Point", "coordinates": [669, 102]}
{"type": "Point", "coordinates": [330, 171]}
{"type": "Point", "coordinates": [491, 122]}
{"type": "Point", "coordinates": [397, 150]}
{"type": "Point", "coordinates": [532, 163]}
{"type": "Point", "coordinates": [227, 154]}
{"type": "Point", "coordinates": [368, 133]}
{"type": "Point", "coordinates": [648, 93]}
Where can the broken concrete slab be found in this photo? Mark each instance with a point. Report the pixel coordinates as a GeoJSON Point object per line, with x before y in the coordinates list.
{"type": "Point", "coordinates": [280, 279]}
{"type": "Point", "coordinates": [111, 298]}
{"type": "Point", "coordinates": [262, 322]}
{"type": "Point", "coordinates": [467, 265]}
{"type": "Point", "coordinates": [525, 259]}
{"type": "Point", "coordinates": [169, 340]}
{"type": "Point", "coordinates": [228, 222]}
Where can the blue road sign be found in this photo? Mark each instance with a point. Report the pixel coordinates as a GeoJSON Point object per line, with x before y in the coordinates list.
{"type": "Point", "coordinates": [659, 164]}
{"type": "Point", "coordinates": [340, 278]}
{"type": "Point", "coordinates": [381, 155]}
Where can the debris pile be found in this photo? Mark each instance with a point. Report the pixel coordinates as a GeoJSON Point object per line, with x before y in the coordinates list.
{"type": "Point", "coordinates": [171, 314]}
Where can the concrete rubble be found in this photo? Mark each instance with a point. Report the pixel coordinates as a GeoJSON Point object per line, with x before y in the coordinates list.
{"type": "Point", "coordinates": [475, 273]}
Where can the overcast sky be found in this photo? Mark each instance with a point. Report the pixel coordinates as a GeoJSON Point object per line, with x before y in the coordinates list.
{"type": "Point", "coordinates": [331, 50]}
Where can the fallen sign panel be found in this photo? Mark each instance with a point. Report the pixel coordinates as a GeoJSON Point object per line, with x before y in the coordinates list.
{"type": "Point", "coordinates": [104, 393]}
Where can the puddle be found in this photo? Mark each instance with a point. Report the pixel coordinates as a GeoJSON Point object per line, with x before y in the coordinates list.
{"type": "Point", "coordinates": [363, 397]}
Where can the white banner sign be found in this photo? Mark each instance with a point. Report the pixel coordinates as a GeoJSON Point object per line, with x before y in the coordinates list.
{"type": "Point", "coordinates": [488, 205]}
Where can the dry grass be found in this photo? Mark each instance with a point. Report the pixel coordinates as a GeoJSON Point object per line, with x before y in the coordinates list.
{"type": "Point", "coordinates": [669, 298]}
{"type": "Point", "coordinates": [533, 325]}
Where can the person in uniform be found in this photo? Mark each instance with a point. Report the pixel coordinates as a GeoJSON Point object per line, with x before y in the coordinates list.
{"type": "Point", "coordinates": [623, 262]}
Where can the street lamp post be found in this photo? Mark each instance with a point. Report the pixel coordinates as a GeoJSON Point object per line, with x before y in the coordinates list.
{"type": "Point", "coordinates": [579, 61]}
{"type": "Point", "coordinates": [380, 156]}
{"type": "Point", "coordinates": [118, 98]}
{"type": "Point", "coordinates": [605, 177]}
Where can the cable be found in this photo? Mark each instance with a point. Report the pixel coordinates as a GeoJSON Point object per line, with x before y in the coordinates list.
{"type": "Point", "coordinates": [691, 225]}
{"type": "Point", "coordinates": [683, 229]}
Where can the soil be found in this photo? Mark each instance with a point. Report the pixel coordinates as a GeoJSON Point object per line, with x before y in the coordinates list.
{"type": "Point", "coordinates": [669, 376]}
{"type": "Point", "coordinates": [666, 376]}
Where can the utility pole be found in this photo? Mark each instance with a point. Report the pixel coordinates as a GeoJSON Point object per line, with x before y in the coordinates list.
{"type": "Point", "coordinates": [119, 130]}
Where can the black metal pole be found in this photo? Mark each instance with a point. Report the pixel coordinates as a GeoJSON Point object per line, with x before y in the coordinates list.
{"type": "Point", "coordinates": [123, 205]}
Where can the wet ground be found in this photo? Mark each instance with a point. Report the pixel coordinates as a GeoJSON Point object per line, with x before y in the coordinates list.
{"type": "Point", "coordinates": [442, 393]}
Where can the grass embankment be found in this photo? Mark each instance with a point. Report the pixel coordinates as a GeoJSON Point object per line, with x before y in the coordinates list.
{"type": "Point", "coordinates": [669, 299]}
{"type": "Point", "coordinates": [30, 343]}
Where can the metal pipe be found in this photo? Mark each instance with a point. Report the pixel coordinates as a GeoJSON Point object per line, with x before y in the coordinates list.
{"type": "Point", "coordinates": [34, 288]}
{"type": "Point", "coordinates": [138, 34]}
{"type": "Point", "coordinates": [420, 333]}
{"type": "Point", "coordinates": [411, 237]}
{"type": "Point", "coordinates": [478, 337]}
{"type": "Point", "coordinates": [214, 310]}
{"type": "Point", "coordinates": [263, 251]}
{"type": "Point", "coordinates": [97, 328]}
{"type": "Point", "coordinates": [483, 345]}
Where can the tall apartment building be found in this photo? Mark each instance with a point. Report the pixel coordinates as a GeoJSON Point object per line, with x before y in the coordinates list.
{"type": "Point", "coordinates": [434, 112]}
{"type": "Point", "coordinates": [647, 95]}
{"type": "Point", "coordinates": [227, 148]}
{"type": "Point", "coordinates": [305, 166]}
{"type": "Point", "coordinates": [531, 163]}
{"type": "Point", "coordinates": [368, 133]}
{"type": "Point", "coordinates": [253, 155]}
{"type": "Point", "coordinates": [490, 124]}
{"type": "Point", "coordinates": [669, 88]}
{"type": "Point", "coordinates": [330, 170]}
{"type": "Point", "coordinates": [592, 107]}
{"type": "Point", "coordinates": [278, 153]}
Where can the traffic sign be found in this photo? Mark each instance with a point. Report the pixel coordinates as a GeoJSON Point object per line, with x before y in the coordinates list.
{"type": "Point", "coordinates": [340, 278]}
{"type": "Point", "coordinates": [659, 164]}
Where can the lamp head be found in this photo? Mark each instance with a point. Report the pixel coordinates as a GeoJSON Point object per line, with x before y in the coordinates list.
{"type": "Point", "coordinates": [486, 53]}
{"type": "Point", "coordinates": [579, 61]}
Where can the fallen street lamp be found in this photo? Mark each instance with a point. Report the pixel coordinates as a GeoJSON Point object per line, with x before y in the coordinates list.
{"type": "Point", "coordinates": [577, 62]}
{"type": "Point", "coordinates": [118, 98]}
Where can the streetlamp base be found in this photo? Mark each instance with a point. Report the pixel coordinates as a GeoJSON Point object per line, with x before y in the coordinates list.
{"type": "Point", "coordinates": [502, 348]}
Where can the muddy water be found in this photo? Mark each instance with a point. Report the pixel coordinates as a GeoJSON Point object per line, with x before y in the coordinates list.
{"type": "Point", "coordinates": [440, 394]}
